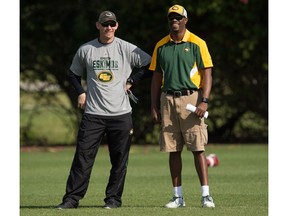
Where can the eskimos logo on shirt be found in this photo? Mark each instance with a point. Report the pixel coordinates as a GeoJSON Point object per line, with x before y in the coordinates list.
{"type": "Point", "coordinates": [105, 76]}
{"type": "Point", "coordinates": [106, 65]}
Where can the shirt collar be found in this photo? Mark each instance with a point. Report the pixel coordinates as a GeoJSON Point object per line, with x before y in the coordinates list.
{"type": "Point", "coordinates": [184, 39]}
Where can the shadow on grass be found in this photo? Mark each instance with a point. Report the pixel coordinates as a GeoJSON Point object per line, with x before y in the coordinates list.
{"type": "Point", "coordinates": [84, 206]}
{"type": "Point", "coordinates": [54, 207]}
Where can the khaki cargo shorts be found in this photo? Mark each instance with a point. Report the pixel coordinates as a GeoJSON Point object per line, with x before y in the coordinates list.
{"type": "Point", "coordinates": [180, 126]}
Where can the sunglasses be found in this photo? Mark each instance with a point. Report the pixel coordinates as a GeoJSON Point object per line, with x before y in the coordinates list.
{"type": "Point", "coordinates": [111, 24]}
{"type": "Point", "coordinates": [177, 17]}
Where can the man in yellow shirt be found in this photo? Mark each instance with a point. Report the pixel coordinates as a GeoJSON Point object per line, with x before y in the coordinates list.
{"type": "Point", "coordinates": [182, 74]}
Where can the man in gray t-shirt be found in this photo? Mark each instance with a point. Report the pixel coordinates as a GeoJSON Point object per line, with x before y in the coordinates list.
{"type": "Point", "coordinates": [107, 62]}
{"type": "Point", "coordinates": [108, 66]}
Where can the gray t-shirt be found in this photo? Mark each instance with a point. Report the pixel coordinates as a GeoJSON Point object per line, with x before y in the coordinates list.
{"type": "Point", "coordinates": [108, 67]}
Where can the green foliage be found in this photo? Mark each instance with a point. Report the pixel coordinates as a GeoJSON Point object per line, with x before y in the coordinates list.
{"type": "Point", "coordinates": [236, 33]}
{"type": "Point", "coordinates": [46, 120]}
{"type": "Point", "coordinates": [239, 185]}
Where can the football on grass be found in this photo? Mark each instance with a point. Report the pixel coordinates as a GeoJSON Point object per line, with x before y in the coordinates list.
{"type": "Point", "coordinates": [212, 160]}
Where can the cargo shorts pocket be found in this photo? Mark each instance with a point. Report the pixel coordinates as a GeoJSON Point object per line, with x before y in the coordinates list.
{"type": "Point", "coordinates": [197, 138]}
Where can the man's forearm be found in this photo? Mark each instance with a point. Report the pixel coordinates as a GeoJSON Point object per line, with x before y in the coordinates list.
{"type": "Point", "coordinates": [156, 89]}
{"type": "Point", "coordinates": [207, 82]}
{"type": "Point", "coordinates": [75, 81]}
{"type": "Point", "coordinates": [142, 73]}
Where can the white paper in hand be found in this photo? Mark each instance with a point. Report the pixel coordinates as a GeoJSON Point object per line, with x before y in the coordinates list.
{"type": "Point", "coordinates": [192, 108]}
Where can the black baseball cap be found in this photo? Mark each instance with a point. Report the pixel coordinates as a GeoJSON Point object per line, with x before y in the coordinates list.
{"type": "Point", "coordinates": [107, 16]}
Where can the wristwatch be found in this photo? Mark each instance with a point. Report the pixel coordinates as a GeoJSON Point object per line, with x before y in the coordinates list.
{"type": "Point", "coordinates": [205, 100]}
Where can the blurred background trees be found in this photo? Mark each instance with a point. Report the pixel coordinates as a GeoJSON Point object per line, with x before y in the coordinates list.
{"type": "Point", "coordinates": [235, 31]}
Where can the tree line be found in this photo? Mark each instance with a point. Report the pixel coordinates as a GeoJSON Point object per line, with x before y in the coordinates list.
{"type": "Point", "coordinates": [236, 33]}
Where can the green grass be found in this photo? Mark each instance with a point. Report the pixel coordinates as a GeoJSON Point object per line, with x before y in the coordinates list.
{"type": "Point", "coordinates": [50, 126]}
{"type": "Point", "coordinates": [45, 120]}
{"type": "Point", "coordinates": [239, 185]}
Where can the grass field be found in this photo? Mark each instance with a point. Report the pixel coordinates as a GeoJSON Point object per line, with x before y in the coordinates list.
{"type": "Point", "coordinates": [46, 123]}
{"type": "Point", "coordinates": [239, 185]}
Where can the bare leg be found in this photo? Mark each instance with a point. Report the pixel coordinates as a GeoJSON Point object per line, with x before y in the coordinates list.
{"type": "Point", "coordinates": [175, 163]}
{"type": "Point", "coordinates": [201, 167]}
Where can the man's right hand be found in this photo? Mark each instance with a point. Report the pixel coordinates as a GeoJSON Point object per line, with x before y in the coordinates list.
{"type": "Point", "coordinates": [82, 101]}
{"type": "Point", "coordinates": [156, 116]}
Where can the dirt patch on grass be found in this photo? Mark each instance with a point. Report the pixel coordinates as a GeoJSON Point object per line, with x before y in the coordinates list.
{"type": "Point", "coordinates": [44, 148]}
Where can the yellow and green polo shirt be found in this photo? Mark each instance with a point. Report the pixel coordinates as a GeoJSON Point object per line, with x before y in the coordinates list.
{"type": "Point", "coordinates": [180, 62]}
